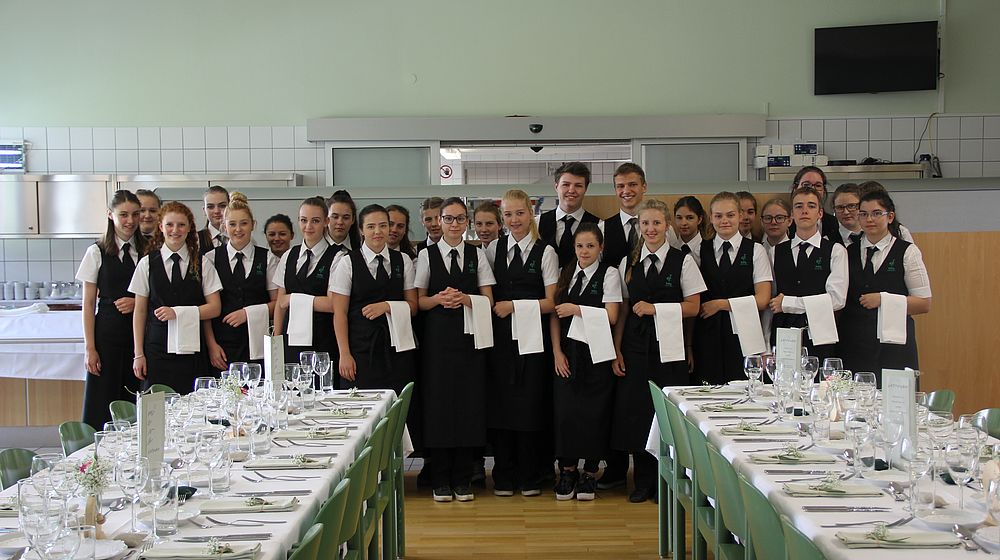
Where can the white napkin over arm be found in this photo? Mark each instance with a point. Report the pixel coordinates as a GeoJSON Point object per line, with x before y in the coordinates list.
{"type": "Point", "coordinates": [593, 328]}
{"type": "Point", "coordinates": [669, 331]}
{"type": "Point", "coordinates": [892, 319]}
{"type": "Point", "coordinates": [479, 321]}
{"type": "Point", "coordinates": [258, 324]}
{"type": "Point", "coordinates": [526, 326]}
{"type": "Point", "coordinates": [819, 314]}
{"type": "Point", "coordinates": [184, 332]}
{"type": "Point", "coordinates": [400, 327]}
{"type": "Point", "coordinates": [300, 324]}
{"type": "Point", "coordinates": [746, 325]}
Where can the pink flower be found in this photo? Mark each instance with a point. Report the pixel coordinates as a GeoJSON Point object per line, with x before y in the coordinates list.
{"type": "Point", "coordinates": [85, 465]}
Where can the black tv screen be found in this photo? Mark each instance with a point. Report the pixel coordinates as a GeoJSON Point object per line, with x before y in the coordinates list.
{"type": "Point", "coordinates": [872, 58]}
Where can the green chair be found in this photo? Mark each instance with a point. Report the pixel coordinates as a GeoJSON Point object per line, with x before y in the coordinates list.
{"type": "Point", "coordinates": [366, 537]}
{"type": "Point", "coordinates": [730, 503]}
{"type": "Point", "coordinates": [75, 436]}
{"type": "Point", "coordinates": [765, 527]}
{"type": "Point", "coordinates": [357, 473]}
{"type": "Point", "coordinates": [665, 472]}
{"type": "Point", "coordinates": [308, 548]}
{"type": "Point", "coordinates": [684, 487]}
{"type": "Point", "coordinates": [988, 420]}
{"type": "Point", "coordinates": [398, 470]}
{"type": "Point", "coordinates": [941, 401]}
{"type": "Point", "coordinates": [386, 495]}
{"type": "Point", "coordinates": [797, 545]}
{"type": "Point", "coordinates": [707, 520]}
{"type": "Point", "coordinates": [123, 410]}
{"type": "Point", "coordinates": [331, 516]}
{"type": "Point", "coordinates": [161, 388]}
{"type": "Point", "coordinates": [15, 464]}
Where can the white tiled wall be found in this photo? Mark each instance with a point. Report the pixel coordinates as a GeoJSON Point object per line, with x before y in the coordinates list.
{"type": "Point", "coordinates": [41, 260]}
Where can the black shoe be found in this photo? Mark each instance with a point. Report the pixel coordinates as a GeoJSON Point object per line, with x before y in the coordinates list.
{"type": "Point", "coordinates": [566, 487]}
{"type": "Point", "coordinates": [640, 495]}
{"type": "Point", "coordinates": [586, 487]}
{"type": "Point", "coordinates": [503, 490]}
{"type": "Point", "coordinates": [442, 494]}
{"type": "Point", "coordinates": [464, 494]}
{"type": "Point", "coordinates": [610, 480]}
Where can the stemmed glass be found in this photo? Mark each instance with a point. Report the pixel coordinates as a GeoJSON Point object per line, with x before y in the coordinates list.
{"type": "Point", "coordinates": [889, 430]}
{"type": "Point", "coordinates": [66, 545]}
{"type": "Point", "coordinates": [247, 418]}
{"type": "Point", "coordinates": [820, 403]}
{"type": "Point", "coordinates": [252, 373]}
{"type": "Point", "coordinates": [41, 470]}
{"type": "Point", "coordinates": [770, 366]}
{"type": "Point", "coordinates": [236, 370]}
{"type": "Point", "coordinates": [809, 365]}
{"type": "Point", "coordinates": [131, 475]}
{"type": "Point", "coordinates": [922, 409]}
{"type": "Point", "coordinates": [864, 381]}
{"type": "Point", "coordinates": [209, 451]}
{"type": "Point", "coordinates": [187, 447]}
{"type": "Point", "coordinates": [859, 429]}
{"type": "Point", "coordinates": [41, 519]}
{"type": "Point", "coordinates": [753, 367]}
{"type": "Point", "coordinates": [961, 460]}
{"type": "Point", "coordinates": [306, 361]}
{"type": "Point", "coordinates": [205, 383]}
{"type": "Point", "coordinates": [154, 494]}
{"type": "Point", "coordinates": [784, 388]}
{"type": "Point", "coordinates": [833, 364]}
{"type": "Point", "coordinates": [918, 458]}
{"type": "Point", "coordinates": [321, 365]}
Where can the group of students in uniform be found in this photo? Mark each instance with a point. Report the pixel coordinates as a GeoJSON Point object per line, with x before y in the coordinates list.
{"type": "Point", "coordinates": [531, 408]}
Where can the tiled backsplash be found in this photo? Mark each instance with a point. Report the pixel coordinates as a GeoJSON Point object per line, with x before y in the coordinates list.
{"type": "Point", "coordinates": [41, 260]}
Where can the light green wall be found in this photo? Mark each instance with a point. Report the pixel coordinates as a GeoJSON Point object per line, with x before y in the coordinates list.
{"type": "Point", "coordinates": [216, 62]}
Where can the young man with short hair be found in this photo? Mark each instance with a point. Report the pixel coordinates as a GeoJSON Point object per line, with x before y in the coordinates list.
{"type": "Point", "coordinates": [556, 227]}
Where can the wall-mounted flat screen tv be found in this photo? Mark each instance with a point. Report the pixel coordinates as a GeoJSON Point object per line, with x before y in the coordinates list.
{"type": "Point", "coordinates": [874, 58]}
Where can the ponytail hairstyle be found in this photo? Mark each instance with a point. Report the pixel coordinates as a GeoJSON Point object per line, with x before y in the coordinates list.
{"type": "Point", "coordinates": [521, 196]}
{"type": "Point", "coordinates": [694, 205]}
{"type": "Point", "coordinates": [194, 261]}
{"type": "Point", "coordinates": [724, 195]}
{"type": "Point", "coordinates": [647, 204]}
{"type": "Point", "coordinates": [238, 201]}
{"type": "Point", "coordinates": [107, 243]}
{"type": "Point", "coordinates": [214, 189]}
{"type": "Point", "coordinates": [404, 243]}
{"type": "Point", "coordinates": [319, 202]}
{"type": "Point", "coordinates": [344, 197]}
{"type": "Point", "coordinates": [566, 276]}
{"type": "Point", "coordinates": [885, 201]}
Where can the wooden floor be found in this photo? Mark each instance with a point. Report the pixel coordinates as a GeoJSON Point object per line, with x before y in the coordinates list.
{"type": "Point", "coordinates": [518, 527]}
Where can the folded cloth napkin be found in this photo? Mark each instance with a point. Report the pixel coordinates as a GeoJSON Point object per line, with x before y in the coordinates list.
{"type": "Point", "coordinates": [712, 390]}
{"type": "Point", "coordinates": [327, 432]}
{"type": "Point", "coordinates": [892, 319]}
{"type": "Point", "coordinates": [277, 464]}
{"type": "Point", "coordinates": [184, 332]}
{"type": "Point", "coordinates": [341, 412]}
{"type": "Point", "coordinates": [780, 457]}
{"type": "Point", "coordinates": [842, 490]}
{"type": "Point", "coordinates": [355, 395]}
{"type": "Point", "coordinates": [762, 430]}
{"type": "Point", "coordinates": [8, 507]}
{"type": "Point", "coordinates": [258, 324]}
{"type": "Point", "coordinates": [899, 539]}
{"type": "Point", "coordinates": [593, 328]}
{"type": "Point", "coordinates": [819, 314]}
{"type": "Point", "coordinates": [730, 407]}
{"type": "Point", "coordinates": [669, 331]}
{"type": "Point", "coordinates": [745, 319]}
{"type": "Point", "coordinates": [249, 505]}
{"type": "Point", "coordinates": [197, 551]}
{"type": "Point", "coordinates": [526, 326]}
{"type": "Point", "coordinates": [300, 320]}
{"type": "Point", "coordinates": [400, 327]}
{"type": "Point", "coordinates": [479, 321]}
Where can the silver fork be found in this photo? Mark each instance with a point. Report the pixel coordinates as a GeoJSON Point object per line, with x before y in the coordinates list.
{"type": "Point", "coordinates": [245, 522]}
{"type": "Point", "coordinates": [897, 523]}
{"type": "Point", "coordinates": [195, 521]}
{"type": "Point", "coordinates": [286, 478]}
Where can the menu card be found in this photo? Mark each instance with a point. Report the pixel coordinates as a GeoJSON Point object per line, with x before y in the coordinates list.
{"type": "Point", "coordinates": [274, 362]}
{"type": "Point", "coordinates": [152, 426]}
{"type": "Point", "coordinates": [788, 348]}
{"type": "Point", "coordinates": [898, 398]}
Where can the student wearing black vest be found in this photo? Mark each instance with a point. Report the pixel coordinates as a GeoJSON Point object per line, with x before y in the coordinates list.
{"type": "Point", "coordinates": [361, 287]}
{"type": "Point", "coordinates": [106, 270]}
{"type": "Point", "coordinates": [621, 231]}
{"type": "Point", "coordinates": [306, 269]}
{"type": "Point", "coordinates": [279, 233]}
{"type": "Point", "coordinates": [583, 392]}
{"type": "Point", "coordinates": [875, 186]}
{"type": "Point", "coordinates": [814, 177]}
{"type": "Point", "coordinates": [148, 211]}
{"type": "Point", "coordinates": [247, 278]}
{"type": "Point", "coordinates": [846, 201]}
{"type": "Point", "coordinates": [732, 265]}
{"type": "Point", "coordinates": [776, 216]}
{"type": "Point", "coordinates": [556, 227]}
{"type": "Point", "coordinates": [692, 226]}
{"type": "Point", "coordinates": [399, 230]}
{"type": "Point", "coordinates": [342, 228]}
{"type": "Point", "coordinates": [453, 371]}
{"type": "Point", "coordinates": [881, 262]}
{"type": "Point", "coordinates": [749, 226]}
{"type": "Point", "coordinates": [215, 199]}
{"type": "Point", "coordinates": [520, 386]}
{"type": "Point", "coordinates": [169, 276]}
{"type": "Point", "coordinates": [430, 216]}
{"type": "Point", "coordinates": [807, 265]}
{"type": "Point", "coordinates": [654, 273]}
{"type": "Point", "coordinates": [487, 225]}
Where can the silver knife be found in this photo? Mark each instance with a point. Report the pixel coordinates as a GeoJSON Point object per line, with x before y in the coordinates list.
{"type": "Point", "coordinates": [237, 537]}
{"type": "Point", "coordinates": [273, 493]}
{"type": "Point", "coordinates": [302, 454]}
{"type": "Point", "coordinates": [819, 509]}
{"type": "Point", "coordinates": [764, 440]}
{"type": "Point", "coordinates": [793, 471]}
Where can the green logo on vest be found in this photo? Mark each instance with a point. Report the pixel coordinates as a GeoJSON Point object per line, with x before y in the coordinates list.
{"type": "Point", "coordinates": [668, 282]}
{"type": "Point", "coordinates": [819, 263]}
{"type": "Point", "coordinates": [320, 272]}
{"type": "Point", "coordinates": [891, 266]}
{"type": "Point", "coordinates": [743, 260]}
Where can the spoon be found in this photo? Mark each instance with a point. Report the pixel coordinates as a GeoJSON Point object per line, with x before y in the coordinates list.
{"type": "Point", "coordinates": [117, 504]}
{"type": "Point", "coordinates": [966, 537]}
{"type": "Point", "coordinates": [176, 464]}
{"type": "Point", "coordinates": [898, 492]}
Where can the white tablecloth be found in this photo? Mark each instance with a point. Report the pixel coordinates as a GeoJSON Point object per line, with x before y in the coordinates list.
{"type": "Point", "coordinates": [63, 361]}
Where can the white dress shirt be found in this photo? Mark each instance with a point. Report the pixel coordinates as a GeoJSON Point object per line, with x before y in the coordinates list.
{"type": "Point", "coordinates": [217, 237]}
{"type": "Point", "coordinates": [914, 271]}
{"type": "Point", "coordinates": [317, 252]}
{"type": "Point", "coordinates": [208, 261]}
{"type": "Point", "coordinates": [140, 280]}
{"type": "Point", "coordinates": [550, 260]}
{"type": "Point", "coordinates": [770, 248]}
{"type": "Point", "coordinates": [836, 282]}
{"type": "Point", "coordinates": [92, 260]}
{"type": "Point", "coordinates": [612, 281]}
{"type": "Point", "coordinates": [577, 216]}
{"type": "Point", "coordinates": [845, 234]}
{"type": "Point", "coordinates": [761, 263]}
{"type": "Point", "coordinates": [343, 276]}
{"type": "Point", "coordinates": [691, 280]}
{"type": "Point", "coordinates": [422, 278]}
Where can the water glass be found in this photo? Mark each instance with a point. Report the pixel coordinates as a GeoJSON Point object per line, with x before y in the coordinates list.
{"type": "Point", "coordinates": [117, 425]}
{"type": "Point", "coordinates": [205, 383]}
{"type": "Point", "coordinates": [88, 541]}
{"type": "Point", "coordinates": [167, 512]}
{"type": "Point", "coordinates": [833, 363]}
{"type": "Point", "coordinates": [209, 450]}
{"type": "Point", "coordinates": [321, 365]}
{"type": "Point", "coordinates": [306, 361]}
{"type": "Point", "coordinates": [858, 428]}
{"type": "Point", "coordinates": [809, 365]}
{"type": "Point", "coordinates": [753, 367]}
{"type": "Point", "coordinates": [961, 461]}
{"type": "Point", "coordinates": [66, 545]}
{"type": "Point", "coordinates": [889, 432]}
{"type": "Point", "coordinates": [220, 481]}
{"type": "Point", "coordinates": [155, 494]}
{"type": "Point", "coordinates": [131, 476]}
{"type": "Point", "coordinates": [917, 458]}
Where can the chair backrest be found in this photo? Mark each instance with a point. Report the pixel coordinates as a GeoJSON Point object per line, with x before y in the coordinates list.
{"type": "Point", "coordinates": [765, 527]}
{"type": "Point", "coordinates": [123, 410]}
{"type": "Point", "coordinates": [941, 400]}
{"type": "Point", "coordinates": [395, 419]}
{"type": "Point", "coordinates": [988, 420]}
{"type": "Point", "coordinates": [797, 545]}
{"type": "Point", "coordinates": [15, 464]}
{"type": "Point", "coordinates": [75, 436]}
{"type": "Point", "coordinates": [699, 452]}
{"type": "Point", "coordinates": [375, 442]}
{"type": "Point", "coordinates": [728, 498]}
{"type": "Point", "coordinates": [161, 388]}
{"type": "Point", "coordinates": [660, 407]}
{"type": "Point", "coordinates": [404, 396]}
{"type": "Point", "coordinates": [678, 428]}
{"type": "Point", "coordinates": [355, 495]}
{"type": "Point", "coordinates": [331, 515]}
{"type": "Point", "coordinates": [309, 545]}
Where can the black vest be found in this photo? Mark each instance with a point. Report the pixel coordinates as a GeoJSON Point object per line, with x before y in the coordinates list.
{"type": "Point", "coordinates": [547, 232]}
{"type": "Point", "coordinates": [440, 278]}
{"type": "Point", "coordinates": [813, 282]}
{"type": "Point", "coordinates": [238, 293]}
{"type": "Point", "coordinates": [526, 283]}
{"type": "Point", "coordinates": [163, 293]}
{"type": "Point", "coordinates": [315, 284]}
{"type": "Point", "coordinates": [738, 280]}
{"type": "Point", "coordinates": [830, 227]}
{"type": "Point", "coordinates": [659, 287]}
{"type": "Point", "coordinates": [592, 295]}
{"type": "Point", "coordinates": [113, 279]}
{"type": "Point", "coordinates": [890, 277]}
{"type": "Point", "coordinates": [365, 290]}
{"type": "Point", "coordinates": [615, 241]}
{"type": "Point", "coordinates": [205, 243]}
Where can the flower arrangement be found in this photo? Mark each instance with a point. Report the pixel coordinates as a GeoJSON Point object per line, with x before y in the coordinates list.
{"type": "Point", "coordinates": [831, 483]}
{"type": "Point", "coordinates": [93, 476]}
{"type": "Point", "coordinates": [881, 533]}
{"type": "Point", "coordinates": [745, 426]}
{"type": "Point", "coordinates": [303, 460]}
{"type": "Point", "coordinates": [232, 389]}
{"type": "Point", "coordinates": [256, 502]}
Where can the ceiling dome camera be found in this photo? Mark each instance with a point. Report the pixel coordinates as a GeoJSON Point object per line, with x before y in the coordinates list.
{"type": "Point", "coordinates": [535, 128]}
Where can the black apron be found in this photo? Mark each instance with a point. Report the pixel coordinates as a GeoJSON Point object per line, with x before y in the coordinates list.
{"type": "Point", "coordinates": [176, 370]}
{"type": "Point", "coordinates": [113, 339]}
{"type": "Point", "coordinates": [520, 387]}
{"type": "Point", "coordinates": [718, 357]}
{"type": "Point", "coordinates": [236, 294]}
{"type": "Point", "coordinates": [789, 282]}
{"type": "Point", "coordinates": [315, 284]}
{"type": "Point", "coordinates": [858, 327]}
{"type": "Point", "coordinates": [633, 410]}
{"type": "Point", "coordinates": [453, 372]}
{"type": "Point", "coordinates": [583, 401]}
{"type": "Point", "coordinates": [547, 231]}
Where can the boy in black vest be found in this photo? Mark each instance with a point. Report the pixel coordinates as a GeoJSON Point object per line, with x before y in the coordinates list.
{"type": "Point", "coordinates": [556, 227]}
{"type": "Point", "coordinates": [621, 231]}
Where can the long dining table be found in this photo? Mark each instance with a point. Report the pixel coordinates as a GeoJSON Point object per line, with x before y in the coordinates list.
{"type": "Point", "coordinates": [738, 448]}
{"type": "Point", "coordinates": [316, 483]}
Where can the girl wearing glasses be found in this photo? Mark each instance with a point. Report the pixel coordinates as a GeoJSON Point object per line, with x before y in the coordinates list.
{"type": "Point", "coordinates": [846, 200]}
{"type": "Point", "coordinates": [875, 186]}
{"type": "Point", "coordinates": [776, 216]}
{"type": "Point", "coordinates": [814, 178]}
{"type": "Point", "coordinates": [691, 224]}
{"type": "Point", "coordinates": [879, 263]}
{"type": "Point", "coordinates": [520, 385]}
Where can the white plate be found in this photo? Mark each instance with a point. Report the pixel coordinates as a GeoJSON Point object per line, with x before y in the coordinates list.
{"type": "Point", "coordinates": [986, 537]}
{"type": "Point", "coordinates": [883, 478]}
{"type": "Point", "coordinates": [186, 511]}
{"type": "Point", "coordinates": [103, 550]}
{"type": "Point", "coordinates": [944, 518]}
{"type": "Point", "coordinates": [834, 445]}
{"type": "Point", "coordinates": [12, 542]}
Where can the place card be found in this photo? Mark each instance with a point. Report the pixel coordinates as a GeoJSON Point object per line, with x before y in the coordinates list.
{"type": "Point", "coordinates": [274, 362]}
{"type": "Point", "coordinates": [788, 348]}
{"type": "Point", "coordinates": [898, 397]}
{"type": "Point", "coordinates": [152, 426]}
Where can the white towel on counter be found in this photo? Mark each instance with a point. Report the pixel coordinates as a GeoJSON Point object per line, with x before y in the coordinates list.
{"type": "Point", "coordinates": [300, 320]}
{"type": "Point", "coordinates": [892, 319]}
{"type": "Point", "coordinates": [479, 321]}
{"type": "Point", "coordinates": [184, 332]}
{"type": "Point", "coordinates": [526, 326]}
{"type": "Point", "coordinates": [819, 314]}
{"type": "Point", "coordinates": [593, 328]}
{"type": "Point", "coordinates": [745, 318]}
{"type": "Point", "coordinates": [400, 327]}
{"type": "Point", "coordinates": [29, 310]}
{"type": "Point", "coordinates": [258, 323]}
{"type": "Point", "coordinates": [669, 331]}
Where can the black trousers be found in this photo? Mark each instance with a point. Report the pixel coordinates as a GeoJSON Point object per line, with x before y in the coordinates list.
{"type": "Point", "coordinates": [516, 458]}
{"type": "Point", "coordinates": [644, 470]}
{"type": "Point", "coordinates": [451, 466]}
{"type": "Point", "coordinates": [589, 464]}
{"type": "Point", "coordinates": [616, 464]}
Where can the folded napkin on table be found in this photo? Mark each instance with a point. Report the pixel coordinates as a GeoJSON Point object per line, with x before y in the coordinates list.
{"type": "Point", "coordinates": [275, 464]}
{"type": "Point", "coordinates": [892, 319]}
{"type": "Point", "coordinates": [342, 412]}
{"type": "Point", "coordinates": [782, 458]}
{"type": "Point", "coordinates": [300, 320]}
{"type": "Point", "coordinates": [819, 314]}
{"type": "Point", "coordinates": [526, 326]}
{"type": "Point", "coordinates": [730, 407]}
{"type": "Point", "coordinates": [592, 328]}
{"type": "Point", "coordinates": [669, 331]}
{"type": "Point", "coordinates": [354, 395]}
{"type": "Point", "coordinates": [479, 321]}
{"type": "Point", "coordinates": [315, 433]}
{"type": "Point", "coordinates": [400, 327]}
{"type": "Point", "coordinates": [745, 320]}
{"type": "Point", "coordinates": [184, 332]}
{"type": "Point", "coordinates": [763, 430]}
{"type": "Point", "coordinates": [258, 323]}
{"type": "Point", "coordinates": [842, 490]}
{"type": "Point", "coordinates": [899, 539]}
{"type": "Point", "coordinates": [249, 505]}
{"type": "Point", "coordinates": [710, 390]}
{"type": "Point", "coordinates": [8, 507]}
{"type": "Point", "coordinates": [196, 551]}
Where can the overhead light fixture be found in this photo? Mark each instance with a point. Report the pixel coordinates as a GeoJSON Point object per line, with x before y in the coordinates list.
{"type": "Point", "coordinates": [451, 153]}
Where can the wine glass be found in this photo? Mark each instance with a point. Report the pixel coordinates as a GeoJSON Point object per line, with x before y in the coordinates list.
{"type": "Point", "coordinates": [820, 403]}
{"type": "Point", "coordinates": [205, 383]}
{"type": "Point", "coordinates": [131, 476]}
{"type": "Point", "coordinates": [940, 426]}
{"type": "Point", "coordinates": [890, 429]}
{"type": "Point", "coordinates": [187, 446]}
{"type": "Point", "coordinates": [291, 372]}
{"type": "Point", "coordinates": [918, 458]}
{"type": "Point", "coordinates": [154, 494]}
{"type": "Point", "coordinates": [321, 365]}
{"type": "Point", "coordinates": [209, 452]}
{"type": "Point", "coordinates": [246, 421]}
{"type": "Point", "coordinates": [41, 470]}
{"type": "Point", "coordinates": [306, 361]}
{"type": "Point", "coordinates": [117, 425]}
{"type": "Point", "coordinates": [809, 365]}
{"type": "Point", "coordinates": [40, 518]}
{"type": "Point", "coordinates": [857, 426]}
{"type": "Point", "coordinates": [961, 461]}
{"type": "Point", "coordinates": [753, 367]}
{"type": "Point", "coordinates": [770, 366]}
{"type": "Point", "coordinates": [833, 363]}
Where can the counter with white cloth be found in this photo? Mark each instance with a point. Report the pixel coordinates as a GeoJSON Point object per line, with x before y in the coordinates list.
{"type": "Point", "coordinates": [43, 360]}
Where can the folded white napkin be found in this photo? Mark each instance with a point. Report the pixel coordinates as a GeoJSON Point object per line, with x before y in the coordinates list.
{"type": "Point", "coordinates": [892, 319]}
{"type": "Point", "coordinates": [183, 333]}
{"type": "Point", "coordinates": [29, 310]}
{"type": "Point", "coordinates": [276, 464]}
{"type": "Point", "coordinates": [819, 314]}
{"type": "Point", "coordinates": [526, 326]}
{"type": "Point", "coordinates": [669, 331]}
{"type": "Point", "coordinates": [341, 412]}
{"type": "Point", "coordinates": [400, 327]}
{"type": "Point", "coordinates": [197, 551]}
{"type": "Point", "coordinates": [745, 320]}
{"type": "Point", "coordinates": [242, 505]}
{"type": "Point", "coordinates": [593, 328]}
{"type": "Point", "coordinates": [844, 490]}
{"type": "Point", "coordinates": [257, 326]}
{"type": "Point", "coordinates": [300, 316]}
{"type": "Point", "coordinates": [900, 539]}
{"type": "Point", "coordinates": [479, 321]}
{"type": "Point", "coordinates": [319, 433]}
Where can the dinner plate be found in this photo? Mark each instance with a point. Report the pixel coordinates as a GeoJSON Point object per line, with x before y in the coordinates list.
{"type": "Point", "coordinates": [185, 512]}
{"type": "Point", "coordinates": [942, 518]}
{"type": "Point", "coordinates": [883, 478]}
{"type": "Point", "coordinates": [103, 550]}
{"type": "Point", "coordinates": [12, 542]}
{"type": "Point", "coordinates": [988, 538]}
